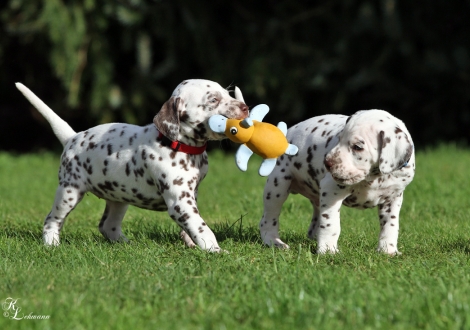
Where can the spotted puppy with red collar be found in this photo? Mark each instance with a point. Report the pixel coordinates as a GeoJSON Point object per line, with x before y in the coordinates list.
{"type": "Point", "coordinates": [362, 161]}
{"type": "Point", "coordinates": [155, 167]}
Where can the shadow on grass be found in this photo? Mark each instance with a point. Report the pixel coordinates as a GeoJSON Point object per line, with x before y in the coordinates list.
{"type": "Point", "coordinates": [158, 232]}
{"type": "Point", "coordinates": [460, 244]}
{"type": "Point", "coordinates": [236, 231]}
{"type": "Point", "coordinates": [35, 235]}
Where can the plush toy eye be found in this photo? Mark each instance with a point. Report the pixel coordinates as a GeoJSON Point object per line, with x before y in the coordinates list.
{"type": "Point", "coordinates": [233, 130]}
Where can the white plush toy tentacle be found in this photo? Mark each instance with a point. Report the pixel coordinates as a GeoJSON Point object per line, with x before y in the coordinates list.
{"type": "Point", "coordinates": [282, 127]}
{"type": "Point", "coordinates": [267, 166]}
{"type": "Point", "coordinates": [258, 112]}
{"type": "Point", "coordinates": [242, 156]}
{"type": "Point", "coordinates": [217, 123]}
{"type": "Point", "coordinates": [291, 150]}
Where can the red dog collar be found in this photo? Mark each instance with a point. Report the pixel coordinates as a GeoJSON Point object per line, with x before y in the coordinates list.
{"type": "Point", "coordinates": [178, 146]}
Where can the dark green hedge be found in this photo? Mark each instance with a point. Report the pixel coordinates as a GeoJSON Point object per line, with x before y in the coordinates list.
{"type": "Point", "coordinates": [99, 61]}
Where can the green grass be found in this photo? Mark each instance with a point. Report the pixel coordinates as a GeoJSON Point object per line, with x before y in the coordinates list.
{"type": "Point", "coordinates": [156, 283]}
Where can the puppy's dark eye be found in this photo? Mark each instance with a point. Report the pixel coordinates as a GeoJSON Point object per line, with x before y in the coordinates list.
{"type": "Point", "coordinates": [357, 148]}
{"type": "Point", "coordinates": [233, 130]}
{"type": "Point", "coordinates": [213, 100]}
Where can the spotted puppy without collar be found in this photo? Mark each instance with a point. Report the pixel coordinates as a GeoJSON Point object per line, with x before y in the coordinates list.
{"type": "Point", "coordinates": [361, 161]}
{"type": "Point", "coordinates": [156, 167]}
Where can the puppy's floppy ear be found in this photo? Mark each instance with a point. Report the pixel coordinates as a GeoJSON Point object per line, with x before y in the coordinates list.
{"type": "Point", "coordinates": [395, 150]}
{"type": "Point", "coordinates": [167, 119]}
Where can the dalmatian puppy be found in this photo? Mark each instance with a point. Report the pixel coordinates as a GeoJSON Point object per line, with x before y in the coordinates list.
{"type": "Point", "coordinates": [361, 161]}
{"type": "Point", "coordinates": [156, 167]}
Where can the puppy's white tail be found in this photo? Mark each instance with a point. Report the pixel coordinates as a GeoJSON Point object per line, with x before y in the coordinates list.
{"type": "Point", "coordinates": [61, 129]}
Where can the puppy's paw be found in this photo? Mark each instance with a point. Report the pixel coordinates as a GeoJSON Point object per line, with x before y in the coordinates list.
{"type": "Point", "coordinates": [187, 240]}
{"type": "Point", "coordinates": [276, 242]}
{"type": "Point", "coordinates": [325, 248]}
{"type": "Point", "coordinates": [391, 251]}
{"type": "Point", "coordinates": [51, 238]}
{"type": "Point", "coordinates": [216, 249]}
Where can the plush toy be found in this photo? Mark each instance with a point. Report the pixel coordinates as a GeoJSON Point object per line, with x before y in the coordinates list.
{"type": "Point", "coordinates": [263, 139]}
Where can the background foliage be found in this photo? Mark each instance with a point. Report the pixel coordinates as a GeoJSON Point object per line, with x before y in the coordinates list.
{"type": "Point", "coordinates": [96, 61]}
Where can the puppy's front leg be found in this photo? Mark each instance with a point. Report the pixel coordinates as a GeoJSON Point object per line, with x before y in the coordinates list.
{"type": "Point", "coordinates": [389, 225]}
{"type": "Point", "coordinates": [186, 214]}
{"type": "Point", "coordinates": [331, 197]}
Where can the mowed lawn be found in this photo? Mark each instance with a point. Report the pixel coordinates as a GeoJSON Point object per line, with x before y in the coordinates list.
{"type": "Point", "coordinates": [156, 283]}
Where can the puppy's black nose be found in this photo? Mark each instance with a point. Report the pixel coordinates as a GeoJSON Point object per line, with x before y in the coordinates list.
{"type": "Point", "coordinates": [328, 164]}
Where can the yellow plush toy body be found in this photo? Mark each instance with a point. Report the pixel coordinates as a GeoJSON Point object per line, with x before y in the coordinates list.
{"type": "Point", "coordinates": [263, 139]}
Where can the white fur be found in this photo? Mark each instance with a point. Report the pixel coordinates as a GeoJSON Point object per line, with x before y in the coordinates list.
{"type": "Point", "coordinates": [61, 129]}
{"type": "Point", "coordinates": [375, 174]}
{"type": "Point", "coordinates": [130, 165]}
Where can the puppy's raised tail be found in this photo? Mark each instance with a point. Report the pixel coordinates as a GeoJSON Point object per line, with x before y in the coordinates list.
{"type": "Point", "coordinates": [61, 129]}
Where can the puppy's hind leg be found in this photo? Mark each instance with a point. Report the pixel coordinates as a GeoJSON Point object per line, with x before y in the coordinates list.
{"type": "Point", "coordinates": [110, 224]}
{"type": "Point", "coordinates": [314, 224]}
{"type": "Point", "coordinates": [66, 198]}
